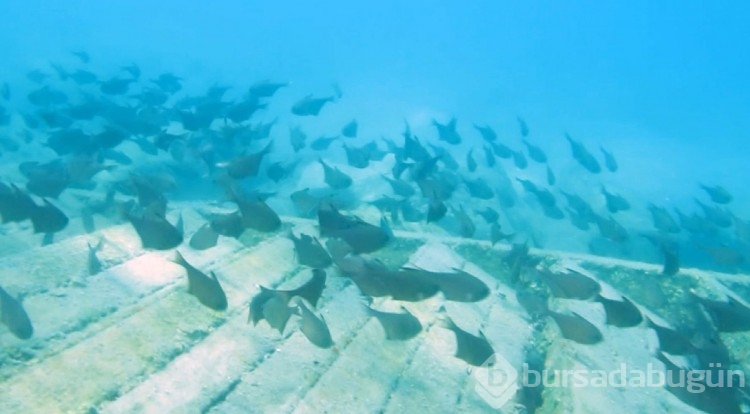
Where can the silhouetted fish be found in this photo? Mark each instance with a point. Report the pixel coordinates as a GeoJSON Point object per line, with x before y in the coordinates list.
{"type": "Point", "coordinates": [400, 187]}
{"type": "Point", "coordinates": [278, 171]}
{"type": "Point", "coordinates": [309, 251]}
{"type": "Point", "coordinates": [466, 226]}
{"type": "Point", "coordinates": [576, 328]}
{"type": "Point", "coordinates": [247, 165]}
{"type": "Point", "coordinates": [397, 326]}
{"type": "Point", "coordinates": [583, 156]}
{"type": "Point", "coordinates": [609, 160]}
{"type": "Point", "coordinates": [572, 285]}
{"type": "Point", "coordinates": [662, 220]}
{"type": "Point", "coordinates": [15, 204]}
{"type": "Point", "coordinates": [486, 132]}
{"type": "Point", "coordinates": [717, 193]}
{"type": "Point", "coordinates": [47, 218]}
{"type": "Point", "coordinates": [310, 105]}
{"type": "Point", "coordinates": [718, 216]}
{"type": "Point", "coordinates": [519, 160]}
{"type": "Point", "coordinates": [447, 132]}
{"type": "Point", "coordinates": [350, 129]}
{"type": "Point", "coordinates": [94, 266]}
{"type": "Point", "coordinates": [523, 127]}
{"type": "Point", "coordinates": [502, 150]}
{"type": "Point", "coordinates": [356, 157]}
{"type": "Point", "coordinates": [14, 316]}
{"type": "Point", "coordinates": [611, 229]}
{"type": "Point", "coordinates": [479, 188]}
{"type": "Point", "coordinates": [535, 153]}
{"type": "Point", "coordinates": [334, 177]}
{"type": "Point", "coordinates": [474, 350]}
{"type": "Point", "coordinates": [496, 234]}
{"type": "Point", "coordinates": [153, 229]}
{"type": "Point", "coordinates": [204, 238]}
{"type": "Point", "coordinates": [615, 202]}
{"type": "Point", "coordinates": [457, 286]}
{"type": "Point", "coordinates": [265, 88]}
{"type": "Point", "coordinates": [728, 315]}
{"type": "Point", "coordinates": [314, 327]}
{"type": "Point", "coordinates": [256, 214]}
{"type": "Point", "coordinates": [620, 313]}
{"type": "Point", "coordinates": [206, 289]}
{"type": "Point", "coordinates": [489, 214]}
{"type": "Point", "coordinates": [550, 176]}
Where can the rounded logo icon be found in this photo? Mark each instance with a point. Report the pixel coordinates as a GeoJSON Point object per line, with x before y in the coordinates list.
{"type": "Point", "coordinates": [496, 381]}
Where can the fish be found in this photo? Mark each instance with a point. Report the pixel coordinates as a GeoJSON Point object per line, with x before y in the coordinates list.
{"type": "Point", "coordinates": [572, 285]}
{"type": "Point", "coordinates": [535, 153]}
{"type": "Point", "coordinates": [206, 288]}
{"type": "Point", "coordinates": [309, 251]}
{"type": "Point", "coordinates": [356, 157]}
{"type": "Point", "coordinates": [242, 110]}
{"type": "Point", "coordinates": [487, 133]}
{"type": "Point", "coordinates": [519, 160]}
{"type": "Point", "coordinates": [445, 157]}
{"type": "Point", "coordinates": [609, 160]}
{"type": "Point", "coordinates": [277, 312]}
{"type": "Point", "coordinates": [436, 209]}
{"type": "Point", "coordinates": [466, 226]}
{"type": "Point", "coordinates": [334, 177]}
{"type": "Point", "coordinates": [723, 254]}
{"type": "Point", "coordinates": [447, 132]}
{"type": "Point", "coordinates": [310, 105]}
{"type": "Point", "coordinates": [297, 138]}
{"type": "Point", "coordinates": [204, 238]}
{"type": "Point", "coordinates": [168, 82]}
{"type": "Point", "coordinates": [304, 202]}
{"type": "Point", "coordinates": [718, 216]}
{"type": "Point", "coordinates": [82, 55]}
{"type": "Point", "coordinates": [133, 70]}
{"type": "Point", "coordinates": [229, 224]}
{"type": "Point", "coordinates": [15, 204]}
{"type": "Point", "coordinates": [489, 214]}
{"type": "Point", "coordinates": [523, 127]}
{"type": "Point", "coordinates": [474, 350]}
{"type": "Point", "coordinates": [256, 214]}
{"type": "Point", "coordinates": [46, 180]}
{"type": "Point", "coordinates": [362, 237]}
{"type": "Point", "coordinates": [550, 176]}
{"type": "Point", "coordinates": [350, 129]}
{"type": "Point", "coordinates": [456, 286]}
{"type": "Point", "coordinates": [400, 326]}
{"type": "Point", "coordinates": [479, 188]}
{"type": "Point", "coordinates": [671, 258]}
{"type": "Point", "coordinates": [496, 234]}
{"type": "Point", "coordinates": [728, 315]}
{"type": "Point", "coordinates": [471, 164]}
{"type": "Point", "coordinates": [265, 88]}
{"type": "Point", "coordinates": [278, 171]}
{"type": "Point", "coordinates": [662, 220]}
{"type": "Point", "coordinates": [717, 193]}
{"type": "Point", "coordinates": [322, 143]}
{"type": "Point", "coordinates": [94, 265]}
{"type": "Point", "coordinates": [47, 218]}
{"type": "Point", "coordinates": [400, 187]}
{"type": "Point", "coordinates": [153, 229]}
{"type": "Point", "coordinates": [83, 77]}
{"type": "Point", "coordinates": [14, 316]}
{"type": "Point", "coordinates": [576, 328]}
{"type": "Point", "coordinates": [611, 229]}
{"type": "Point", "coordinates": [489, 156]}
{"type": "Point", "coordinates": [501, 150]}
{"type": "Point", "coordinates": [615, 202]}
{"type": "Point", "coordinates": [583, 156]}
{"type": "Point", "coordinates": [314, 327]}
{"type": "Point", "coordinates": [115, 86]}
{"type": "Point", "coordinates": [247, 165]}
{"type": "Point", "coordinates": [620, 313]}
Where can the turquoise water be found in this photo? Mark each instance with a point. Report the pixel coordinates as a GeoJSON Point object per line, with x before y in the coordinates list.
{"type": "Point", "coordinates": [662, 87]}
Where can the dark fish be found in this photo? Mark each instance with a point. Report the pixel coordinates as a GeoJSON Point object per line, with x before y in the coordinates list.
{"type": "Point", "coordinates": [15, 204]}
{"type": "Point", "coordinates": [310, 106]}
{"type": "Point", "coordinates": [717, 193]}
{"type": "Point", "coordinates": [322, 143]}
{"type": "Point", "coordinates": [304, 202]}
{"type": "Point", "coordinates": [93, 264]}
{"type": "Point", "coordinates": [356, 157]}
{"type": "Point", "coordinates": [362, 237]}
{"type": "Point", "coordinates": [671, 258]}
{"type": "Point", "coordinates": [397, 326]}
{"type": "Point", "coordinates": [523, 127]}
{"type": "Point", "coordinates": [471, 164]}
{"type": "Point", "coordinates": [479, 189]}
{"type": "Point", "coordinates": [400, 187]}
{"type": "Point", "coordinates": [535, 153]}
{"type": "Point", "coordinates": [83, 77]}
{"type": "Point", "coordinates": [256, 214]}
{"type": "Point", "coordinates": [110, 137]}
{"type": "Point", "coordinates": [115, 86]}
{"type": "Point", "coordinates": [723, 254]}
{"type": "Point", "coordinates": [46, 180]}
{"type": "Point", "coordinates": [466, 226]}
{"type": "Point", "coordinates": [14, 316]}
{"type": "Point", "coordinates": [247, 165]}
{"type": "Point", "coordinates": [314, 327]}
{"type": "Point", "coordinates": [609, 160]}
{"type": "Point", "coordinates": [583, 156]}
{"type": "Point", "coordinates": [46, 96]}
{"type": "Point", "coordinates": [621, 313]}
{"type": "Point", "coordinates": [457, 286]}
{"type": "Point", "coordinates": [611, 229]}
{"type": "Point", "coordinates": [266, 88]}
{"type": "Point", "coordinates": [728, 315]}
{"type": "Point", "coordinates": [204, 238]}
{"type": "Point", "coordinates": [47, 218]}
{"type": "Point", "coordinates": [243, 110]}
{"type": "Point", "coordinates": [580, 206]}
{"type": "Point", "coordinates": [474, 350]}
{"type": "Point", "coordinates": [445, 157]}
{"type": "Point", "coordinates": [334, 177]}
{"type": "Point", "coordinates": [229, 225]}
{"type": "Point", "coordinates": [519, 160]}
{"type": "Point", "coordinates": [153, 229]}
{"type": "Point", "coordinates": [297, 137]}
{"type": "Point", "coordinates": [576, 328]}
{"type": "Point", "coordinates": [133, 70]}
{"type": "Point", "coordinates": [447, 132]}
{"type": "Point", "coordinates": [277, 312]}
{"type": "Point", "coordinates": [436, 209]}
{"type": "Point", "coordinates": [206, 289]}
{"type": "Point", "coordinates": [487, 133]}
{"type": "Point", "coordinates": [350, 129]}
{"type": "Point", "coordinates": [496, 234]}
{"type": "Point", "coordinates": [662, 220]}
{"type": "Point", "coordinates": [82, 55]}
{"type": "Point", "coordinates": [502, 150]}
{"type": "Point", "coordinates": [571, 285]}
{"type": "Point", "coordinates": [278, 171]}
{"type": "Point", "coordinates": [488, 214]}
{"type": "Point", "coordinates": [310, 252]}
{"type": "Point", "coordinates": [718, 216]}
{"type": "Point", "coordinates": [489, 156]}
{"type": "Point", "coordinates": [615, 202]}
{"type": "Point", "coordinates": [550, 176]}
{"type": "Point", "coordinates": [168, 83]}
